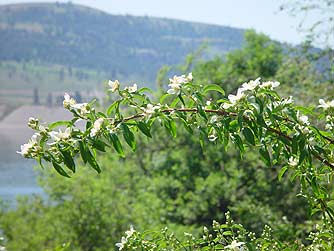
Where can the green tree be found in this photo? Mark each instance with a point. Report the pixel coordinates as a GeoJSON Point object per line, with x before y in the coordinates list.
{"type": "Point", "coordinates": [259, 57]}
{"type": "Point", "coordinates": [256, 117]}
{"type": "Point", "coordinates": [170, 181]}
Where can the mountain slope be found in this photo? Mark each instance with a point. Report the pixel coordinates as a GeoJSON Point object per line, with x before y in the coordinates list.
{"type": "Point", "coordinates": [77, 36]}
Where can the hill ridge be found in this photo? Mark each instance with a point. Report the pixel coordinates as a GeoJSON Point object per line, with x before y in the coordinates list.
{"type": "Point", "coordinates": [120, 45]}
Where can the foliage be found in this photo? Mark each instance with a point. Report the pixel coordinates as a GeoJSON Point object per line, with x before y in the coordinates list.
{"type": "Point", "coordinates": [259, 56]}
{"type": "Point", "coordinates": [256, 117]}
{"type": "Point", "coordinates": [172, 181]}
{"type": "Point", "coordinates": [227, 236]}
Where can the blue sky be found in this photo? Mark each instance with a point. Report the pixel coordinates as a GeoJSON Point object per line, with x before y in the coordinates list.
{"type": "Point", "coordinates": [261, 15]}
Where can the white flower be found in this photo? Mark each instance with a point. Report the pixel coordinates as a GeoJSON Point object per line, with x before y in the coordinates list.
{"type": "Point", "coordinates": [236, 246]}
{"type": "Point", "coordinates": [121, 244]}
{"type": "Point", "coordinates": [275, 84]}
{"type": "Point", "coordinates": [287, 101]}
{"type": "Point", "coordinates": [82, 108]}
{"type": "Point", "coordinates": [68, 101]}
{"type": "Point", "coordinates": [132, 89]}
{"type": "Point", "coordinates": [212, 137]}
{"type": "Point", "coordinates": [176, 82]}
{"type": "Point", "coordinates": [27, 148]}
{"type": "Point", "coordinates": [213, 119]}
{"type": "Point", "coordinates": [303, 129]}
{"type": "Point", "coordinates": [326, 105]}
{"type": "Point", "coordinates": [2, 248]}
{"type": "Point", "coordinates": [151, 109]}
{"type": "Point", "coordinates": [33, 120]}
{"type": "Point", "coordinates": [61, 135]}
{"type": "Point", "coordinates": [130, 232]}
{"type": "Point", "coordinates": [234, 98]}
{"type": "Point", "coordinates": [270, 84]}
{"type": "Point", "coordinates": [227, 105]}
{"type": "Point", "coordinates": [114, 85]}
{"type": "Point", "coordinates": [33, 123]}
{"type": "Point", "coordinates": [302, 118]}
{"type": "Point", "coordinates": [179, 79]}
{"type": "Point", "coordinates": [174, 89]}
{"type": "Point", "coordinates": [329, 126]}
{"type": "Point", "coordinates": [43, 129]}
{"type": "Point", "coordinates": [187, 234]}
{"type": "Point", "coordinates": [190, 77]}
{"type": "Point", "coordinates": [293, 161]}
{"type": "Point", "coordinates": [215, 224]}
{"type": "Point", "coordinates": [251, 85]}
{"type": "Point", "coordinates": [34, 138]}
{"type": "Point", "coordinates": [96, 127]}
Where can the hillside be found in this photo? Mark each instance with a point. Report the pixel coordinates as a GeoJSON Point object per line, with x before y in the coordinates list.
{"type": "Point", "coordinates": [125, 47]}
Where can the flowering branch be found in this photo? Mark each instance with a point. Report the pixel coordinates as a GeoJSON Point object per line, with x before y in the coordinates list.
{"type": "Point", "coordinates": [255, 116]}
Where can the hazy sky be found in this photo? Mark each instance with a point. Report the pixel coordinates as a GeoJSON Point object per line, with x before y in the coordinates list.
{"type": "Point", "coordinates": [262, 15]}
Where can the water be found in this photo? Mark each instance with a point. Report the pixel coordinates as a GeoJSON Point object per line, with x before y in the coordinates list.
{"type": "Point", "coordinates": [17, 178]}
{"type": "Point", "coordinates": [17, 175]}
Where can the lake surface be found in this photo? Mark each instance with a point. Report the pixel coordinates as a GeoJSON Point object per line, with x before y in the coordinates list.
{"type": "Point", "coordinates": [17, 178]}
{"type": "Point", "coordinates": [17, 175]}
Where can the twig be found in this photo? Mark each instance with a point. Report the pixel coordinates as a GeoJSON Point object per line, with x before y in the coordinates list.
{"type": "Point", "coordinates": [225, 113]}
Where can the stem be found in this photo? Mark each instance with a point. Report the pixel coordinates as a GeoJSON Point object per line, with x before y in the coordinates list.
{"type": "Point", "coordinates": [324, 205]}
{"type": "Point", "coordinates": [225, 113]}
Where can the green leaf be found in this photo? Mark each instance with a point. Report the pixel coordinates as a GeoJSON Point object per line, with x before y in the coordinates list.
{"type": "Point", "coordinates": [145, 89]}
{"type": "Point", "coordinates": [305, 110]}
{"type": "Point", "coordinates": [91, 103]}
{"type": "Point", "coordinates": [202, 137]}
{"type": "Point", "coordinates": [88, 125]}
{"type": "Point", "coordinates": [39, 160]}
{"type": "Point", "coordinates": [228, 233]}
{"type": "Point", "coordinates": [315, 210]}
{"type": "Point", "coordinates": [180, 97]}
{"type": "Point", "coordinates": [186, 125]}
{"type": "Point", "coordinates": [60, 123]}
{"type": "Point", "coordinates": [315, 186]}
{"type": "Point", "coordinates": [92, 161]}
{"type": "Point", "coordinates": [326, 235]}
{"type": "Point", "coordinates": [239, 143]}
{"type": "Point", "coordinates": [141, 97]}
{"type": "Point", "coordinates": [213, 87]}
{"type": "Point", "coordinates": [234, 125]}
{"type": "Point", "coordinates": [174, 103]}
{"type": "Point", "coordinates": [202, 112]}
{"type": "Point", "coordinates": [129, 137]}
{"type": "Point", "coordinates": [265, 155]}
{"type": "Point", "coordinates": [143, 127]}
{"type": "Point", "coordinates": [99, 145]}
{"type": "Point", "coordinates": [294, 145]}
{"type": "Point", "coordinates": [111, 107]}
{"type": "Point", "coordinates": [282, 172]}
{"type": "Point", "coordinates": [240, 118]}
{"type": "Point", "coordinates": [59, 169]}
{"type": "Point", "coordinates": [83, 152]}
{"type": "Point", "coordinates": [117, 144]}
{"type": "Point", "coordinates": [249, 135]}
{"type": "Point", "coordinates": [163, 97]}
{"type": "Point", "coordinates": [68, 160]}
{"type": "Point", "coordinates": [219, 247]}
{"type": "Point", "coordinates": [171, 127]}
